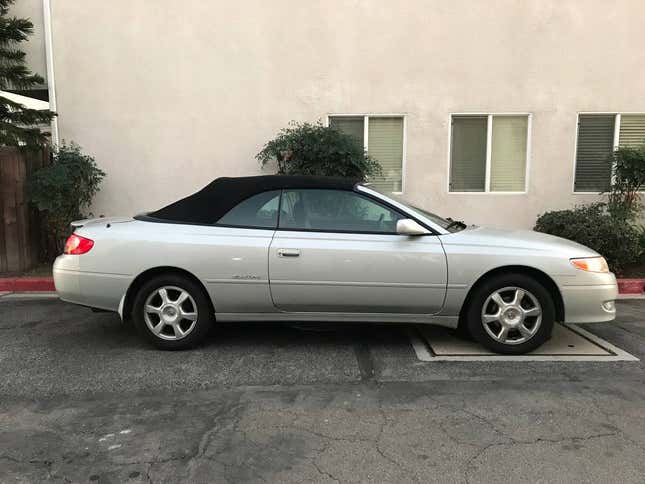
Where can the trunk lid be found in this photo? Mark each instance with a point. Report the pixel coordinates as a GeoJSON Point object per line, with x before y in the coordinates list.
{"type": "Point", "coordinates": [77, 224]}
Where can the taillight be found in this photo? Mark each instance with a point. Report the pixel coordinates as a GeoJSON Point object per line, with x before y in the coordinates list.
{"type": "Point", "coordinates": [76, 245]}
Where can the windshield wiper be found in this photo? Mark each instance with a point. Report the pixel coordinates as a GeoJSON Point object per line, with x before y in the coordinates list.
{"type": "Point", "coordinates": [456, 223]}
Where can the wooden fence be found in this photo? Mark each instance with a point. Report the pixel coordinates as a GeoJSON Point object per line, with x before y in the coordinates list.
{"type": "Point", "coordinates": [19, 224]}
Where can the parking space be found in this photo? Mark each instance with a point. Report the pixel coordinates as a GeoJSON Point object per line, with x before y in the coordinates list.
{"type": "Point", "coordinates": [82, 398]}
{"type": "Point", "coordinates": [51, 347]}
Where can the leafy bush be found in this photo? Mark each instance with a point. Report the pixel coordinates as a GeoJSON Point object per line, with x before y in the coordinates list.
{"type": "Point", "coordinates": [63, 189]}
{"type": "Point", "coordinates": [641, 239]}
{"type": "Point", "coordinates": [314, 149]}
{"type": "Point", "coordinates": [628, 179]}
{"type": "Point", "coordinates": [592, 225]}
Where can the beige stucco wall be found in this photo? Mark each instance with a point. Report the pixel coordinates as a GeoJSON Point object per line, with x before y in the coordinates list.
{"type": "Point", "coordinates": [34, 47]}
{"type": "Point", "coordinates": [168, 95]}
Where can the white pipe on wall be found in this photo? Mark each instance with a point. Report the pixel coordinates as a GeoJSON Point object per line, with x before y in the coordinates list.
{"type": "Point", "coordinates": [49, 56]}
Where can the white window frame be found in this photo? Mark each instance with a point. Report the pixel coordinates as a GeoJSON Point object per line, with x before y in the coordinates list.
{"type": "Point", "coordinates": [366, 122]}
{"type": "Point", "coordinates": [616, 143]}
{"type": "Point", "coordinates": [489, 138]}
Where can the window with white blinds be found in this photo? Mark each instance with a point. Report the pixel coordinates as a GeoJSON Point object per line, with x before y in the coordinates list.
{"type": "Point", "coordinates": [632, 129]}
{"type": "Point", "coordinates": [383, 139]}
{"type": "Point", "coordinates": [508, 154]}
{"type": "Point", "coordinates": [598, 136]}
{"type": "Point", "coordinates": [488, 153]}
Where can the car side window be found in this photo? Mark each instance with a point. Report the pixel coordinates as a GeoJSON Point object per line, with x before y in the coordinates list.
{"type": "Point", "coordinates": [258, 211]}
{"type": "Point", "coordinates": [335, 211]}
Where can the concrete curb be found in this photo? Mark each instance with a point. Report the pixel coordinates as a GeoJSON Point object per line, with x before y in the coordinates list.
{"type": "Point", "coordinates": [633, 297]}
{"type": "Point", "coordinates": [35, 284]}
{"type": "Point", "coordinates": [27, 296]}
{"type": "Point", "coordinates": [631, 286]}
{"type": "Point", "coordinates": [26, 284]}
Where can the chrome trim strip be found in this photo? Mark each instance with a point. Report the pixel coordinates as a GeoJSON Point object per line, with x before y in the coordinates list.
{"type": "Point", "coordinates": [236, 281]}
{"type": "Point", "coordinates": [358, 283]}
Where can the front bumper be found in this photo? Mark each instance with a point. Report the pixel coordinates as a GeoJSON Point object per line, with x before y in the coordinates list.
{"type": "Point", "coordinates": [591, 303]}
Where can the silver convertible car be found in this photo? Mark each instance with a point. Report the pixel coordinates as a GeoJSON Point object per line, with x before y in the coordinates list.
{"type": "Point", "coordinates": [285, 248]}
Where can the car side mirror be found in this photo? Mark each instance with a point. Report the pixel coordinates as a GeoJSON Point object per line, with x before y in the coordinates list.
{"type": "Point", "coordinates": [407, 226]}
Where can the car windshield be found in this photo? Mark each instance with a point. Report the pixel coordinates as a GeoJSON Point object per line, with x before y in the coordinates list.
{"type": "Point", "coordinates": [446, 223]}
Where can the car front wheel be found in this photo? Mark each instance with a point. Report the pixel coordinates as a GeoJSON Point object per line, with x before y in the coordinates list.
{"type": "Point", "coordinates": [511, 314]}
{"type": "Point", "coordinates": [172, 312]}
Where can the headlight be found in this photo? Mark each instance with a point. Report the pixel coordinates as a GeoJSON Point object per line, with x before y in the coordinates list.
{"type": "Point", "coordinates": [591, 264]}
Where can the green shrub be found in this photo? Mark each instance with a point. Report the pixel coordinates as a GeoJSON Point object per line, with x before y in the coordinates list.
{"type": "Point", "coordinates": [628, 169]}
{"type": "Point", "coordinates": [641, 239]}
{"type": "Point", "coordinates": [64, 189]}
{"type": "Point", "coordinates": [314, 149]}
{"type": "Point", "coordinates": [592, 225]}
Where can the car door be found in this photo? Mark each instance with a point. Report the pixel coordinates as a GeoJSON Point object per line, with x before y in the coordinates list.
{"type": "Point", "coordinates": [338, 251]}
{"type": "Point", "coordinates": [232, 259]}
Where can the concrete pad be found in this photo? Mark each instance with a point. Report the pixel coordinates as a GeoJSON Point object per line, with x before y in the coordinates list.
{"type": "Point", "coordinates": [568, 343]}
{"type": "Point", "coordinates": [563, 342]}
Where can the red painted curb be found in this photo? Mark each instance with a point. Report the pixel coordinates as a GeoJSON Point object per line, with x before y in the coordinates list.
{"type": "Point", "coordinates": [34, 284]}
{"type": "Point", "coordinates": [631, 286]}
{"type": "Point", "coordinates": [27, 284]}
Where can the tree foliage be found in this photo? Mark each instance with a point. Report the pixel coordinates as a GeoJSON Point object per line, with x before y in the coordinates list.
{"type": "Point", "coordinates": [63, 190]}
{"type": "Point", "coordinates": [19, 126]}
{"type": "Point", "coordinates": [314, 149]}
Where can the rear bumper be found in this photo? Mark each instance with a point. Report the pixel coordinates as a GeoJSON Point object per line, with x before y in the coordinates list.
{"type": "Point", "coordinates": [590, 304]}
{"type": "Point", "coordinates": [96, 290]}
{"type": "Point", "coordinates": [66, 281]}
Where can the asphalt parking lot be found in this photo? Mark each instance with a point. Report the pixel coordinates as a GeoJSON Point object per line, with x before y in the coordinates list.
{"type": "Point", "coordinates": [82, 399]}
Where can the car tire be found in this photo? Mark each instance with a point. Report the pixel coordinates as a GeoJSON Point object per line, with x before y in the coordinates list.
{"type": "Point", "coordinates": [511, 314]}
{"type": "Point", "coordinates": [172, 312]}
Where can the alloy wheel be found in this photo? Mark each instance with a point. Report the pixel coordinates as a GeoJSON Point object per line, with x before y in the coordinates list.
{"type": "Point", "coordinates": [511, 315]}
{"type": "Point", "coordinates": [170, 313]}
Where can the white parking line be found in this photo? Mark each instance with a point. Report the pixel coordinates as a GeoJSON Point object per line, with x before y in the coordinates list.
{"type": "Point", "coordinates": [423, 350]}
{"type": "Point", "coordinates": [420, 347]}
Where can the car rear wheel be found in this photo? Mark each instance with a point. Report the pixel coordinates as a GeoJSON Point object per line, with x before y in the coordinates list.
{"type": "Point", "coordinates": [172, 312]}
{"type": "Point", "coordinates": [511, 314]}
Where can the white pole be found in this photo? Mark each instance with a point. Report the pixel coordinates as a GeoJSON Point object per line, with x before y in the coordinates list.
{"type": "Point", "coordinates": [49, 55]}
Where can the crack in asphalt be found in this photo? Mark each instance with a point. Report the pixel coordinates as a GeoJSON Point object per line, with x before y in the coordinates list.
{"type": "Point", "coordinates": [228, 418]}
{"type": "Point", "coordinates": [325, 473]}
{"type": "Point", "coordinates": [468, 466]}
{"type": "Point", "coordinates": [264, 433]}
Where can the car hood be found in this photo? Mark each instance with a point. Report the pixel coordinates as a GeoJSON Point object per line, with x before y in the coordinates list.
{"type": "Point", "coordinates": [517, 239]}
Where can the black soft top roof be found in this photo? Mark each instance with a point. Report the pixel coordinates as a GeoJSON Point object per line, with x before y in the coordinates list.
{"type": "Point", "coordinates": [209, 204]}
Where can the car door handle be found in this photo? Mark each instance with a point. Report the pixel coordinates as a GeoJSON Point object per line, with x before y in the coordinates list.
{"type": "Point", "coordinates": [288, 252]}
